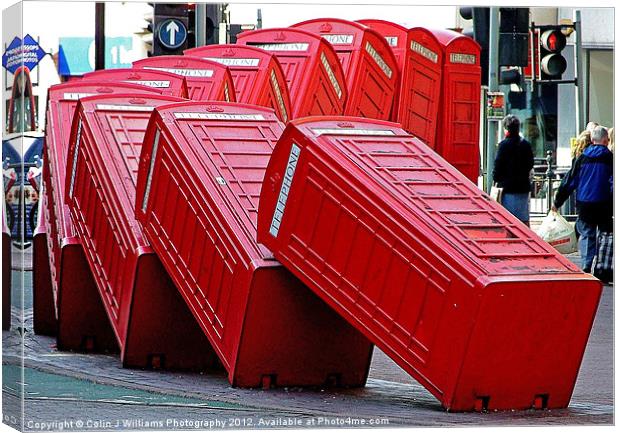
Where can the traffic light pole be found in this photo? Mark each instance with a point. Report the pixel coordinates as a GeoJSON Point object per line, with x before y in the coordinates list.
{"type": "Point", "coordinates": [200, 25]}
{"type": "Point", "coordinates": [492, 125]}
{"type": "Point", "coordinates": [579, 94]}
{"type": "Point", "coordinates": [99, 36]}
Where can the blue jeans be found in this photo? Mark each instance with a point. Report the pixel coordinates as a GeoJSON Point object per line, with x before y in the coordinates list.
{"type": "Point", "coordinates": [517, 204]}
{"type": "Point", "coordinates": [587, 243]}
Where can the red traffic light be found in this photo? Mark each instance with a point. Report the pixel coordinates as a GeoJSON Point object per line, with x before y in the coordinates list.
{"type": "Point", "coordinates": [552, 63]}
{"type": "Point", "coordinates": [553, 40]}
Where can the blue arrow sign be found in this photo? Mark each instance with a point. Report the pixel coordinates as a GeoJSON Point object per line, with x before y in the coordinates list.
{"type": "Point", "coordinates": [27, 52]}
{"type": "Point", "coordinates": [172, 33]}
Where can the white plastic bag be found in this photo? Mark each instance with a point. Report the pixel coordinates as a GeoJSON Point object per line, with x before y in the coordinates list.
{"type": "Point", "coordinates": [558, 233]}
{"type": "Point", "coordinates": [496, 193]}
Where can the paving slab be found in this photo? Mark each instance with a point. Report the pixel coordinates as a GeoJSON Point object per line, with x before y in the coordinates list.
{"type": "Point", "coordinates": [88, 392]}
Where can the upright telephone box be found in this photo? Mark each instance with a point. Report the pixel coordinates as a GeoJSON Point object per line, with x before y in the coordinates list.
{"type": "Point", "coordinates": [313, 72]}
{"type": "Point", "coordinates": [441, 278]}
{"type": "Point", "coordinates": [166, 82]}
{"type": "Point", "coordinates": [457, 137]}
{"type": "Point", "coordinates": [151, 323]}
{"type": "Point", "coordinates": [257, 74]}
{"type": "Point", "coordinates": [369, 66]}
{"type": "Point", "coordinates": [206, 80]}
{"type": "Point", "coordinates": [58, 259]}
{"type": "Point", "coordinates": [396, 37]}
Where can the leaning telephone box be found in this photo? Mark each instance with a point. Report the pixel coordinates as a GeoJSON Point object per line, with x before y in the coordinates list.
{"type": "Point", "coordinates": [421, 86]}
{"type": "Point", "coordinates": [206, 80]}
{"type": "Point", "coordinates": [440, 277]}
{"type": "Point", "coordinates": [457, 138]}
{"type": "Point", "coordinates": [257, 74]}
{"type": "Point", "coordinates": [58, 259]}
{"type": "Point", "coordinates": [369, 66]}
{"type": "Point", "coordinates": [266, 326]}
{"type": "Point", "coordinates": [313, 73]}
{"type": "Point", "coordinates": [166, 82]}
{"type": "Point", "coordinates": [396, 37]}
{"type": "Point", "coordinates": [152, 324]}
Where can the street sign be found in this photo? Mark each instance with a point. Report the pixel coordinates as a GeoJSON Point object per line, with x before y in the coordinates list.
{"type": "Point", "coordinates": [27, 53]}
{"type": "Point", "coordinates": [172, 33]}
{"type": "Point", "coordinates": [496, 105]}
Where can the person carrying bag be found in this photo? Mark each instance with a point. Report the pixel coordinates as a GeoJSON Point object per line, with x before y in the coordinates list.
{"type": "Point", "coordinates": [591, 177]}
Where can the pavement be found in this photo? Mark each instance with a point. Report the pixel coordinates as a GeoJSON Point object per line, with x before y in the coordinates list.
{"type": "Point", "coordinates": [87, 392]}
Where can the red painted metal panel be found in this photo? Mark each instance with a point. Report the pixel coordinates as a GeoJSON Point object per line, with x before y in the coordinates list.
{"type": "Point", "coordinates": [458, 133]}
{"type": "Point", "coordinates": [257, 74]}
{"type": "Point", "coordinates": [444, 280]}
{"type": "Point", "coordinates": [369, 66]}
{"type": "Point", "coordinates": [396, 37]}
{"type": "Point", "coordinates": [152, 325]}
{"type": "Point", "coordinates": [6, 273]}
{"type": "Point", "coordinates": [166, 82]}
{"type": "Point", "coordinates": [313, 73]}
{"type": "Point", "coordinates": [56, 231]}
{"type": "Point", "coordinates": [204, 165]}
{"type": "Point", "coordinates": [43, 302]}
{"type": "Point", "coordinates": [421, 86]}
{"type": "Point", "coordinates": [206, 80]}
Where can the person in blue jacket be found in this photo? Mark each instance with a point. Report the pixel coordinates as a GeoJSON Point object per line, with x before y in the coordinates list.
{"type": "Point", "coordinates": [591, 176]}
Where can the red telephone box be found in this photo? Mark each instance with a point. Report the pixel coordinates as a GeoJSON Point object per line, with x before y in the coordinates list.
{"type": "Point", "coordinates": [313, 73]}
{"type": "Point", "coordinates": [396, 37]}
{"type": "Point", "coordinates": [58, 259]}
{"type": "Point", "coordinates": [166, 82]}
{"type": "Point", "coordinates": [441, 278]}
{"type": "Point", "coordinates": [421, 86]}
{"type": "Point", "coordinates": [458, 134]}
{"type": "Point", "coordinates": [257, 74]}
{"type": "Point", "coordinates": [369, 66]}
{"type": "Point", "coordinates": [151, 323]}
{"type": "Point", "coordinates": [206, 80]}
{"type": "Point", "coordinates": [267, 328]}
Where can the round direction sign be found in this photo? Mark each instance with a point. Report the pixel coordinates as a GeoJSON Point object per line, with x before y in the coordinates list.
{"type": "Point", "coordinates": [172, 33]}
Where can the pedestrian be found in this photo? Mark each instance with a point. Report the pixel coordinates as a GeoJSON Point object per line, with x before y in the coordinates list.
{"type": "Point", "coordinates": [511, 172]}
{"type": "Point", "coordinates": [591, 176]}
{"type": "Point", "coordinates": [610, 146]}
{"type": "Point", "coordinates": [591, 125]}
{"type": "Point", "coordinates": [583, 141]}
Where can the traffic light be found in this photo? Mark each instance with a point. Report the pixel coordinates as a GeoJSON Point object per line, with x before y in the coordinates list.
{"type": "Point", "coordinates": [480, 33]}
{"type": "Point", "coordinates": [513, 36]}
{"type": "Point", "coordinates": [551, 43]}
{"type": "Point", "coordinates": [215, 17]}
{"type": "Point", "coordinates": [513, 76]}
{"type": "Point", "coordinates": [510, 75]}
{"type": "Point", "coordinates": [191, 25]}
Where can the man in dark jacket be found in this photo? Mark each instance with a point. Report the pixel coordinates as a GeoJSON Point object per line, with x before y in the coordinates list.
{"type": "Point", "coordinates": [592, 176]}
{"type": "Point", "coordinates": [513, 162]}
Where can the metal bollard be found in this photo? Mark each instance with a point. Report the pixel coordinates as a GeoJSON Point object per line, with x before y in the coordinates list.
{"type": "Point", "coordinates": [549, 174]}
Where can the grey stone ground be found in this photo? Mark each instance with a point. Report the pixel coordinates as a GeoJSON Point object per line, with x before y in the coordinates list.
{"type": "Point", "coordinates": [92, 392]}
